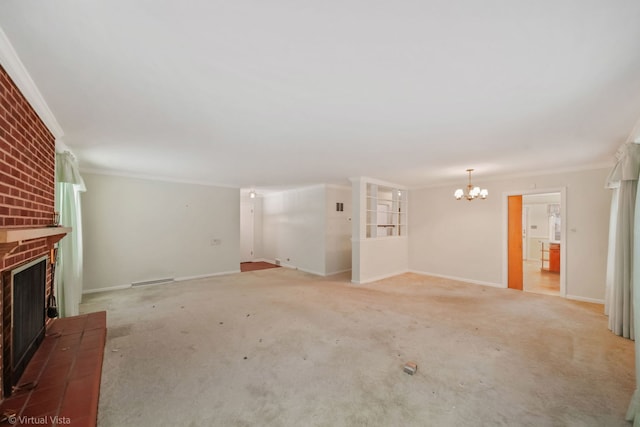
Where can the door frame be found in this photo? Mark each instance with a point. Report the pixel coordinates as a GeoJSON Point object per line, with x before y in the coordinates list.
{"type": "Point", "coordinates": [247, 229]}
{"type": "Point", "coordinates": [525, 232]}
{"type": "Point", "coordinates": [515, 263]}
{"type": "Point", "coordinates": [563, 232]}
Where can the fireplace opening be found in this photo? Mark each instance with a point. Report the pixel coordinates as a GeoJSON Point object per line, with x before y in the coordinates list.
{"type": "Point", "coordinates": [28, 288]}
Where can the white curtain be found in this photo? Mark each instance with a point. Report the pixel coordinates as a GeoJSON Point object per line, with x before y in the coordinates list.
{"type": "Point", "coordinates": [619, 293]}
{"type": "Point", "coordinates": [624, 297]}
{"type": "Point", "coordinates": [633, 414]}
{"type": "Point", "coordinates": [69, 185]}
{"type": "Point", "coordinates": [613, 220]}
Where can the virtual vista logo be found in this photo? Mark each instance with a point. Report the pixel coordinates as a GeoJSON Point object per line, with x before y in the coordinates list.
{"type": "Point", "coordinates": [43, 420]}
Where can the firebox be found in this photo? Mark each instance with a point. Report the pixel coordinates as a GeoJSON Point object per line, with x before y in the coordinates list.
{"type": "Point", "coordinates": [28, 287]}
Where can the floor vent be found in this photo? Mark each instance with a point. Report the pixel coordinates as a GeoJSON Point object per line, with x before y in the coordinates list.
{"type": "Point", "coordinates": [154, 282]}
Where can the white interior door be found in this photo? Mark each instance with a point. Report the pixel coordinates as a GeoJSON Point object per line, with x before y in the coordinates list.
{"type": "Point", "coordinates": [246, 230]}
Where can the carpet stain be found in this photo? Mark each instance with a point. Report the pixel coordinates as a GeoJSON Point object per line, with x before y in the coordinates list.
{"type": "Point", "coordinates": [119, 331]}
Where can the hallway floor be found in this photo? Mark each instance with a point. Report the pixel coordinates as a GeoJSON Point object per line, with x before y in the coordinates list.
{"type": "Point", "coordinates": [538, 281]}
{"type": "Point", "coordinates": [254, 266]}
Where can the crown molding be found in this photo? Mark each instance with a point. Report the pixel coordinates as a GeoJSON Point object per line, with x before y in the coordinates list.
{"type": "Point", "coordinates": [20, 76]}
{"type": "Point", "coordinates": [528, 174]}
{"type": "Point", "coordinates": [339, 187]}
{"type": "Point", "coordinates": [145, 177]}
{"type": "Point", "coordinates": [377, 182]}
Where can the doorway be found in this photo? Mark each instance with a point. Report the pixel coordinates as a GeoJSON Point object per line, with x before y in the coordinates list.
{"type": "Point", "coordinates": [246, 228]}
{"type": "Point", "coordinates": [535, 242]}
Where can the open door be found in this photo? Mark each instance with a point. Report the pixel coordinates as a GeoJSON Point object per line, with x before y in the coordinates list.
{"type": "Point", "coordinates": [246, 230]}
{"type": "Point", "coordinates": [515, 276]}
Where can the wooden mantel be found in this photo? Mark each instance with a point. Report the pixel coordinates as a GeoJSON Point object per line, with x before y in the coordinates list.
{"type": "Point", "coordinates": [11, 238]}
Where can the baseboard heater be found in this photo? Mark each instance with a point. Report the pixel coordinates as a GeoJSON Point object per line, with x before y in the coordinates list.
{"type": "Point", "coordinates": [154, 282]}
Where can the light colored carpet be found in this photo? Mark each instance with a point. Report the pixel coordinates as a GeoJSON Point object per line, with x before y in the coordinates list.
{"type": "Point", "coordinates": [283, 348]}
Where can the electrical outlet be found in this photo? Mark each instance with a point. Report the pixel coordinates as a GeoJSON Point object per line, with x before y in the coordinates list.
{"type": "Point", "coordinates": [216, 242]}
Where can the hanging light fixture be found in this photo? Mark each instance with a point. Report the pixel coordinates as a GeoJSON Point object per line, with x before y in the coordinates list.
{"type": "Point", "coordinates": [472, 192]}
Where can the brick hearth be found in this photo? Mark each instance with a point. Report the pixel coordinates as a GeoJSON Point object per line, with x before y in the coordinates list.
{"type": "Point", "coordinates": [62, 381]}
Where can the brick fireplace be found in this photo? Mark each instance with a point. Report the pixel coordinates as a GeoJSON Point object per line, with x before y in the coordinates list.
{"type": "Point", "coordinates": [27, 191]}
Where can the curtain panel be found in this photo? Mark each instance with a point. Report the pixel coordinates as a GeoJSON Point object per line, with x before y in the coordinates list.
{"type": "Point", "coordinates": [623, 179]}
{"type": "Point", "coordinates": [623, 266]}
{"type": "Point", "coordinates": [68, 274]}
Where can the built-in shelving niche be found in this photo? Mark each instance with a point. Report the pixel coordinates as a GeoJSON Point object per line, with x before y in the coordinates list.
{"type": "Point", "coordinates": [386, 211]}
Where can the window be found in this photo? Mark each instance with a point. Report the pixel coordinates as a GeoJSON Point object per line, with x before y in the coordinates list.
{"type": "Point", "coordinates": [386, 211]}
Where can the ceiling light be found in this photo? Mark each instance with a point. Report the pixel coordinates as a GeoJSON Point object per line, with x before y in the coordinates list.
{"type": "Point", "coordinates": [472, 192]}
{"type": "Point", "coordinates": [252, 194]}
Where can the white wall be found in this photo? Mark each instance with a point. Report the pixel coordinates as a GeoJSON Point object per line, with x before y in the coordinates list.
{"type": "Point", "coordinates": [382, 257]}
{"type": "Point", "coordinates": [139, 230]}
{"type": "Point", "coordinates": [465, 240]}
{"type": "Point", "coordinates": [375, 258]}
{"type": "Point", "coordinates": [302, 228]}
{"type": "Point", "coordinates": [538, 218]}
{"type": "Point", "coordinates": [293, 228]}
{"type": "Point", "coordinates": [338, 231]}
{"type": "Point", "coordinates": [536, 207]}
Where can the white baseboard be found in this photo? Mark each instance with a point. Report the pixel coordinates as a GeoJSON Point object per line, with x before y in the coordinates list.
{"type": "Point", "coordinates": [316, 273]}
{"type": "Point", "coordinates": [204, 276]}
{"type": "Point", "coordinates": [376, 278]}
{"type": "Point", "coordinates": [584, 299]}
{"type": "Point", "coordinates": [304, 270]}
{"type": "Point", "coordinates": [333, 273]}
{"type": "Point", "coordinates": [177, 279]}
{"type": "Point", "coordinates": [107, 289]}
{"type": "Point", "coordinates": [293, 267]}
{"type": "Point", "coordinates": [460, 279]}
{"type": "Point", "coordinates": [496, 285]}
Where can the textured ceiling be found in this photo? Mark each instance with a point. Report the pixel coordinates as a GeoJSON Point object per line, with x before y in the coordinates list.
{"type": "Point", "coordinates": [282, 93]}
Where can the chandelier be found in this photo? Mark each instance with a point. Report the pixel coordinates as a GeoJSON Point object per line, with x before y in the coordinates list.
{"type": "Point", "coordinates": [472, 192]}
